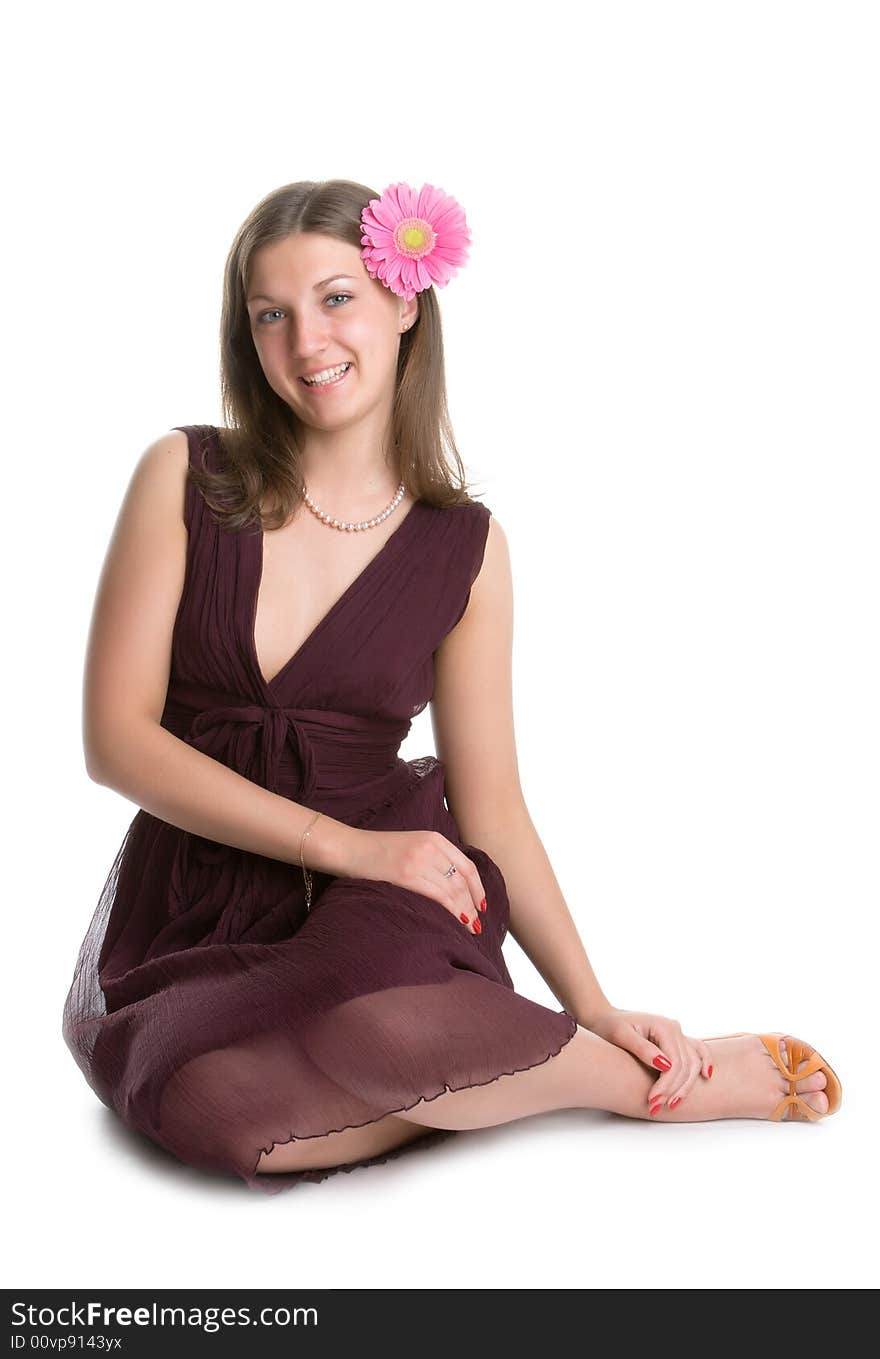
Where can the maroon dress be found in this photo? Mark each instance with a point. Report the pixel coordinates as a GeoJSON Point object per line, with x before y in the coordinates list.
{"type": "Point", "coordinates": [208, 1007]}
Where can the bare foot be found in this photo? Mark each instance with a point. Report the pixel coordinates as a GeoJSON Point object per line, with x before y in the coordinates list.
{"type": "Point", "coordinates": [745, 1083]}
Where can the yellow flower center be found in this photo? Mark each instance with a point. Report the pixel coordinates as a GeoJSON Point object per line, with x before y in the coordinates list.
{"type": "Point", "coordinates": [414, 237]}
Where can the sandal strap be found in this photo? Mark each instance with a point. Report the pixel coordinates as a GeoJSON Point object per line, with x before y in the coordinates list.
{"type": "Point", "coordinates": [798, 1052]}
{"type": "Point", "coordinates": [800, 1108]}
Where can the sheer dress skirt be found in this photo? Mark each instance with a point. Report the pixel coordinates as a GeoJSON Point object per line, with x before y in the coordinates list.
{"type": "Point", "coordinates": [379, 1000]}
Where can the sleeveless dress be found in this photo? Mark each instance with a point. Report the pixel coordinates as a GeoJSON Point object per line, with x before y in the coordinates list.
{"type": "Point", "coordinates": [209, 1008]}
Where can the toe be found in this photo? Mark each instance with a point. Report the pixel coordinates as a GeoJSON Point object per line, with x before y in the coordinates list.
{"type": "Point", "coordinates": [818, 1102]}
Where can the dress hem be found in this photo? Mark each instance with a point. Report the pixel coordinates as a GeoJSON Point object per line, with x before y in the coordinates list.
{"type": "Point", "coordinates": [274, 1181]}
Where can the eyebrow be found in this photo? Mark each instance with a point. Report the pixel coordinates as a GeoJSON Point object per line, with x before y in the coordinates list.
{"type": "Point", "coordinates": [263, 297]}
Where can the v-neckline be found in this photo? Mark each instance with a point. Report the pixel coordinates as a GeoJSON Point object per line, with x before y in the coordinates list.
{"type": "Point", "coordinates": [391, 541]}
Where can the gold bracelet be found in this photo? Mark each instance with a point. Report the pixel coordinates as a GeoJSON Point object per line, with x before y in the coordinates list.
{"type": "Point", "coordinates": [306, 874]}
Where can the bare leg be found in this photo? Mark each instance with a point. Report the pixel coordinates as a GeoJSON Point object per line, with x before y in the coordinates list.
{"type": "Point", "coordinates": [588, 1073]}
{"type": "Point", "coordinates": [341, 1148]}
{"type": "Point", "coordinates": [591, 1073]}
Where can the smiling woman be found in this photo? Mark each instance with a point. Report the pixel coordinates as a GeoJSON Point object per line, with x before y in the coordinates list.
{"type": "Point", "coordinates": [244, 1023]}
{"type": "Point", "coordinates": [295, 965]}
{"type": "Point", "coordinates": [299, 299]}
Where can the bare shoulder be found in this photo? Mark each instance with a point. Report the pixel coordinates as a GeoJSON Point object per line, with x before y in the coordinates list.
{"type": "Point", "coordinates": [496, 538]}
{"type": "Point", "coordinates": [166, 458]}
{"type": "Point", "coordinates": [138, 593]}
{"type": "Point", "coordinates": [157, 488]}
{"type": "Point", "coordinates": [494, 573]}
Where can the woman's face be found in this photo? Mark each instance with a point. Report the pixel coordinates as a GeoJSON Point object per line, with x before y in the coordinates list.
{"type": "Point", "coordinates": [312, 305]}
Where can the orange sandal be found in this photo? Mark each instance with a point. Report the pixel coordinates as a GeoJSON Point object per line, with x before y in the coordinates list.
{"type": "Point", "coordinates": [798, 1051]}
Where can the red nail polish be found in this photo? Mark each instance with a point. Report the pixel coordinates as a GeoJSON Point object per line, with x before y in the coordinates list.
{"type": "Point", "coordinates": [673, 1102]}
{"type": "Point", "coordinates": [656, 1107]}
{"type": "Point", "coordinates": [663, 1063]}
{"type": "Point", "coordinates": [709, 1072]}
{"type": "Point", "coordinates": [477, 926]}
{"type": "Point", "coordinates": [483, 904]}
{"type": "Point", "coordinates": [463, 918]}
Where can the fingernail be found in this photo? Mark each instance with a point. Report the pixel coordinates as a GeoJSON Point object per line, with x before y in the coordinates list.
{"type": "Point", "coordinates": [463, 918]}
{"type": "Point", "coordinates": [657, 1106]}
{"type": "Point", "coordinates": [709, 1072]}
{"type": "Point", "coordinates": [673, 1102]}
{"type": "Point", "coordinates": [483, 904]}
{"type": "Point", "coordinates": [663, 1063]}
{"type": "Point", "coordinates": [477, 926]}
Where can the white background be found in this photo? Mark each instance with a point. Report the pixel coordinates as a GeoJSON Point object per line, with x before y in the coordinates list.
{"type": "Point", "coordinates": [662, 361]}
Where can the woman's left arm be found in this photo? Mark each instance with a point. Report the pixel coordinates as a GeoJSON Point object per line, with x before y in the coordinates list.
{"type": "Point", "coordinates": [472, 715]}
{"type": "Point", "coordinates": [472, 718]}
{"type": "Point", "coordinates": [540, 920]}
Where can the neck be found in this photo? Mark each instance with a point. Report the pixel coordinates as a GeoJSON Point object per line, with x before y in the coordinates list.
{"type": "Point", "coordinates": [345, 471]}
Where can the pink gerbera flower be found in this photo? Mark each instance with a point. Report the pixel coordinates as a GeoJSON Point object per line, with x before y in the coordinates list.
{"type": "Point", "coordinates": [413, 238]}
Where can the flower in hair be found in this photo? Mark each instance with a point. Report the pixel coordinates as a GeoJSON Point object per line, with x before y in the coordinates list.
{"type": "Point", "coordinates": [413, 238]}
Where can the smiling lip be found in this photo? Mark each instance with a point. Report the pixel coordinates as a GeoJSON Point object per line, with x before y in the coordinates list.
{"type": "Point", "coordinates": [318, 388]}
{"type": "Point", "coordinates": [324, 367]}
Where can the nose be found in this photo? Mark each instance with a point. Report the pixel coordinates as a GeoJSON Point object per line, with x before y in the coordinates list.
{"type": "Point", "coordinates": [309, 337]}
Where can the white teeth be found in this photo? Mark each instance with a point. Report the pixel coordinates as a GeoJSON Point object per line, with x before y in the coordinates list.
{"type": "Point", "coordinates": [327, 375]}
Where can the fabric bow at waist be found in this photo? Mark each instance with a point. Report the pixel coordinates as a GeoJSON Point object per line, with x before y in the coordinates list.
{"type": "Point", "coordinates": [252, 740]}
{"type": "Point", "coordinates": [289, 750]}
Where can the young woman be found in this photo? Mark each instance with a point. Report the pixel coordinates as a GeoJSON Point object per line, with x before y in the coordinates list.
{"type": "Point", "coordinates": [295, 966]}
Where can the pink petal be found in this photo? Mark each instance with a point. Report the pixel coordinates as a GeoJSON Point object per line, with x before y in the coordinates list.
{"type": "Point", "coordinates": [408, 199]}
{"type": "Point", "coordinates": [409, 274]}
{"type": "Point", "coordinates": [423, 273]}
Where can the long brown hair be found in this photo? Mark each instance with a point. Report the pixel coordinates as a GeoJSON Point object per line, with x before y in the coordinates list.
{"type": "Point", "coordinates": [261, 446]}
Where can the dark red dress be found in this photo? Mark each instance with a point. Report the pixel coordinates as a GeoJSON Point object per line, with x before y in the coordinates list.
{"type": "Point", "coordinates": [208, 1008]}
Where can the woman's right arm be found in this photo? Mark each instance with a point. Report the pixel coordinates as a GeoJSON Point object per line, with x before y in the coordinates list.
{"type": "Point", "coordinates": [127, 670]}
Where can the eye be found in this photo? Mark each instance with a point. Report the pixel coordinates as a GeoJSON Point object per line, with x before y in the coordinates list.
{"type": "Point", "coordinates": [277, 310]}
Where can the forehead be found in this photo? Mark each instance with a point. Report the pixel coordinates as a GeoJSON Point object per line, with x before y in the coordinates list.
{"type": "Point", "coordinates": [304, 259]}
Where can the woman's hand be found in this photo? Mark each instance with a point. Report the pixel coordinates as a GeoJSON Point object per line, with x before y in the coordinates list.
{"type": "Point", "coordinates": [418, 860]}
{"type": "Point", "coordinates": [660, 1044]}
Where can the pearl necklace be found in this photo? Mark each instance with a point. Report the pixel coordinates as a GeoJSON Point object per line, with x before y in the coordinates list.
{"type": "Point", "coordinates": [364, 523]}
